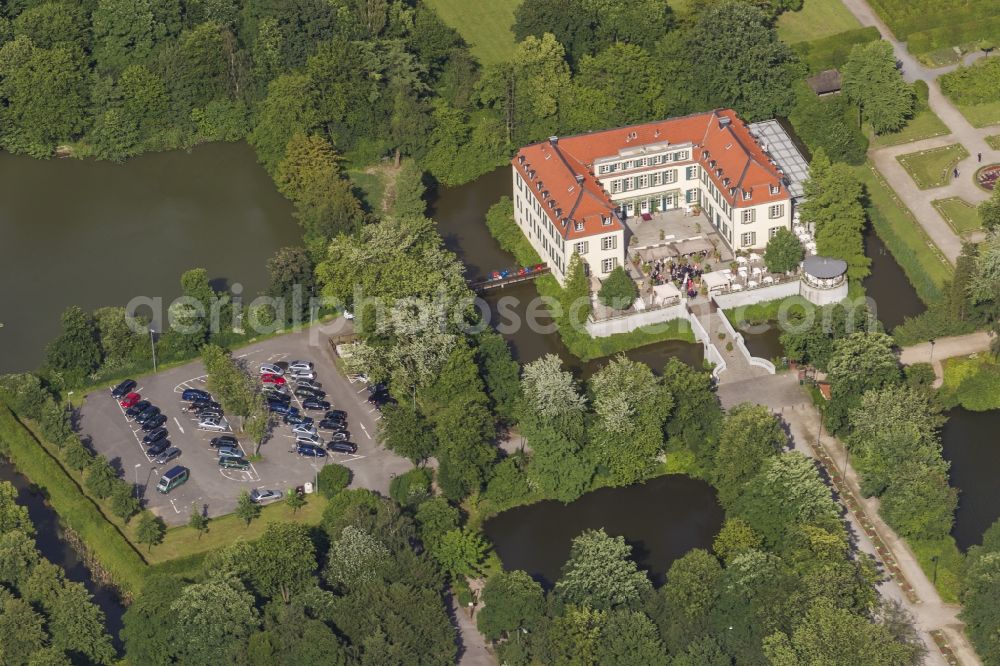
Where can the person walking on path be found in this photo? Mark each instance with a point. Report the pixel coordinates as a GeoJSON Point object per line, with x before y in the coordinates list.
{"type": "Point", "coordinates": [979, 157]}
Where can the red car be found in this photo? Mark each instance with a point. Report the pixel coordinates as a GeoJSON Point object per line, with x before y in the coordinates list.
{"type": "Point", "coordinates": [272, 379]}
{"type": "Point", "coordinates": [130, 400]}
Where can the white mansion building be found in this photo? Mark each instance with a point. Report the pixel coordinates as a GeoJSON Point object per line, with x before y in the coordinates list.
{"type": "Point", "coordinates": [572, 194]}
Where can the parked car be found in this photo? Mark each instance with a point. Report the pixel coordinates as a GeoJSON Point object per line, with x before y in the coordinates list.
{"type": "Point", "coordinates": [123, 389]}
{"type": "Point", "coordinates": [264, 496]}
{"type": "Point", "coordinates": [306, 392]}
{"type": "Point", "coordinates": [301, 374]}
{"type": "Point", "coordinates": [279, 407]}
{"type": "Point", "coordinates": [173, 477]}
{"type": "Point", "coordinates": [309, 383]}
{"type": "Point", "coordinates": [274, 392]}
{"type": "Point", "coordinates": [332, 424]}
{"type": "Point", "coordinates": [200, 404]}
{"type": "Point", "coordinates": [147, 414]}
{"type": "Point", "coordinates": [212, 424]}
{"type": "Point", "coordinates": [300, 366]}
{"type": "Point", "coordinates": [129, 400]}
{"type": "Point", "coordinates": [340, 436]}
{"type": "Point", "coordinates": [343, 447]}
{"type": "Point", "coordinates": [271, 369]}
{"type": "Point", "coordinates": [154, 423]}
{"type": "Point", "coordinates": [277, 380]}
{"type": "Point", "coordinates": [155, 435]}
{"type": "Point", "coordinates": [381, 399]}
{"type": "Point", "coordinates": [223, 441]}
{"type": "Point", "coordinates": [310, 451]}
{"type": "Point", "coordinates": [338, 414]}
{"type": "Point", "coordinates": [316, 404]}
{"type": "Point", "coordinates": [138, 408]}
{"type": "Point", "coordinates": [297, 419]}
{"type": "Point", "coordinates": [191, 394]}
{"type": "Point", "coordinates": [168, 455]}
{"type": "Point", "coordinates": [304, 429]}
{"type": "Point", "coordinates": [230, 452]}
{"type": "Point", "coordinates": [307, 438]}
{"type": "Point", "coordinates": [158, 448]}
{"type": "Point", "coordinates": [234, 463]}
{"type": "Point", "coordinates": [210, 411]}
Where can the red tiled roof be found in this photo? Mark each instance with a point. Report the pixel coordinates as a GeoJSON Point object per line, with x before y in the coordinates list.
{"type": "Point", "coordinates": [566, 168]}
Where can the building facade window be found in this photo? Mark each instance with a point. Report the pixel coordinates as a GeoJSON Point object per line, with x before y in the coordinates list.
{"type": "Point", "coordinates": [748, 239]}
{"type": "Point", "coordinates": [691, 173]}
{"type": "Point", "coordinates": [581, 247]}
{"type": "Point", "coordinates": [609, 242]}
{"type": "Point", "coordinates": [608, 265]}
{"type": "Point", "coordinates": [670, 176]}
{"type": "Point", "coordinates": [748, 216]}
{"type": "Point", "coordinates": [773, 231]}
{"type": "Point", "coordinates": [776, 211]}
{"type": "Point", "coordinates": [643, 181]}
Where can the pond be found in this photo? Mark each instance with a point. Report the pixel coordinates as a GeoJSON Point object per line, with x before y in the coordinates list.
{"type": "Point", "coordinates": [661, 519]}
{"type": "Point", "coordinates": [970, 444]}
{"type": "Point", "coordinates": [460, 214]}
{"type": "Point", "coordinates": [52, 545]}
{"type": "Point", "coordinates": [80, 232]}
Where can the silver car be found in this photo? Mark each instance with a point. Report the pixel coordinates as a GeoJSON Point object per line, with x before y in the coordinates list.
{"type": "Point", "coordinates": [309, 439]}
{"type": "Point", "coordinates": [264, 496]}
{"type": "Point", "coordinates": [300, 366]}
{"type": "Point", "coordinates": [230, 452]}
{"type": "Point", "coordinates": [301, 374]}
{"type": "Point", "coordinates": [304, 429]}
{"type": "Point", "coordinates": [271, 369]}
{"type": "Point", "coordinates": [213, 425]}
{"type": "Point", "coordinates": [308, 383]}
{"type": "Point", "coordinates": [167, 456]}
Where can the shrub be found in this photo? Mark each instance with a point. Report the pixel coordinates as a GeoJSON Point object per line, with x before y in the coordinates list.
{"type": "Point", "coordinates": [332, 479]}
{"type": "Point", "coordinates": [55, 422]}
{"type": "Point", "coordinates": [619, 290]}
{"type": "Point", "coordinates": [784, 252]}
{"type": "Point", "coordinates": [76, 455]}
{"type": "Point", "coordinates": [24, 393]}
{"type": "Point", "coordinates": [101, 478]}
{"type": "Point", "coordinates": [411, 488]}
{"type": "Point", "coordinates": [975, 84]}
{"type": "Point", "coordinates": [922, 90]}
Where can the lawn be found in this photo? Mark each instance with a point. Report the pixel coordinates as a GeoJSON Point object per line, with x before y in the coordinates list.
{"type": "Point", "coordinates": [981, 115]}
{"type": "Point", "coordinates": [959, 214]}
{"type": "Point", "coordinates": [993, 141]}
{"type": "Point", "coordinates": [926, 268]}
{"type": "Point", "coordinates": [923, 125]}
{"type": "Point", "coordinates": [933, 168]}
{"type": "Point", "coordinates": [370, 185]}
{"type": "Point", "coordinates": [816, 19]}
{"type": "Point", "coordinates": [486, 26]}
{"type": "Point", "coordinates": [972, 382]}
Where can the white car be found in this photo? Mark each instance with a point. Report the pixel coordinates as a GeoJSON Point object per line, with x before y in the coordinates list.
{"type": "Point", "coordinates": [271, 369]}
{"type": "Point", "coordinates": [302, 374]}
{"type": "Point", "coordinates": [304, 429]}
{"type": "Point", "coordinates": [215, 425]}
{"type": "Point", "coordinates": [309, 439]}
{"type": "Point", "coordinates": [295, 366]}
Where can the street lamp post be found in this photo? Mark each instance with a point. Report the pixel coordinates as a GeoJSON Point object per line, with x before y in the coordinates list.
{"type": "Point", "coordinates": [931, 361]}
{"type": "Point", "coordinates": [934, 558]}
{"type": "Point", "coordinates": [152, 344]}
{"type": "Point", "coordinates": [137, 466]}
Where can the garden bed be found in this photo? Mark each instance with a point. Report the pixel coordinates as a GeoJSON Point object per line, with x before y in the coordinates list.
{"type": "Point", "coordinates": [960, 215]}
{"type": "Point", "coordinates": [933, 168]}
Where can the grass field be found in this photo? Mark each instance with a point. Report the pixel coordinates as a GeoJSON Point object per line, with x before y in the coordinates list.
{"type": "Point", "coordinates": [816, 19]}
{"type": "Point", "coordinates": [486, 26]}
{"type": "Point", "coordinates": [959, 214]}
{"type": "Point", "coordinates": [981, 115]}
{"type": "Point", "coordinates": [926, 268]}
{"type": "Point", "coordinates": [923, 125]}
{"type": "Point", "coordinates": [932, 168]}
{"type": "Point", "coordinates": [993, 141]}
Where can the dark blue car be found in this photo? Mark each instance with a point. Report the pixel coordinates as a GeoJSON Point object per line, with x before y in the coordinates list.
{"type": "Point", "coordinates": [310, 451]}
{"type": "Point", "coordinates": [281, 408]}
{"type": "Point", "coordinates": [195, 394]}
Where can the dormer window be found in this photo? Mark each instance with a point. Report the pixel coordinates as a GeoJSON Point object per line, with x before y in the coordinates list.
{"type": "Point", "coordinates": [606, 221]}
{"type": "Point", "coordinates": [520, 159]}
{"type": "Point", "coordinates": [775, 189]}
{"type": "Point", "coordinates": [746, 195]}
{"type": "Point", "coordinates": [578, 226]}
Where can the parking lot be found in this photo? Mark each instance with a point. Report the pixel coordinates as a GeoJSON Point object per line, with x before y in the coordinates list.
{"type": "Point", "coordinates": [210, 487]}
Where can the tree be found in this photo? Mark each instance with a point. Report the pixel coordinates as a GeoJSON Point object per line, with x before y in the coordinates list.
{"type": "Point", "coordinates": [13, 516]}
{"type": "Point", "coordinates": [124, 503]}
{"type": "Point", "coordinates": [246, 510]}
{"type": "Point", "coordinates": [76, 353]}
{"type": "Point", "coordinates": [115, 136]}
{"type": "Point", "coordinates": [50, 23]}
{"type": "Point", "coordinates": [572, 22]}
{"type": "Point", "coordinates": [288, 109]}
{"type": "Point", "coordinates": [739, 61]}
{"type": "Point", "coordinates": [405, 431]}
{"type": "Point", "coordinates": [436, 517]}
{"type": "Point", "coordinates": [622, 67]}
{"type": "Point", "coordinates": [549, 391]}
{"type": "Point", "coordinates": [629, 638]}
{"type": "Point", "coordinates": [214, 619]}
{"type": "Point", "coordinates": [784, 252]}
{"type": "Point", "coordinates": [750, 435]}
{"type": "Point", "coordinates": [101, 478]}
{"type": "Point", "coordinates": [575, 296]}
{"type": "Point", "coordinates": [828, 123]}
{"type": "Point", "coordinates": [618, 290]}
{"type": "Point", "coordinates": [332, 479]}
{"type": "Point", "coordinates": [873, 82]}
{"type": "Point", "coordinates": [408, 195]}
{"type": "Point", "coordinates": [981, 595]}
{"type": "Point", "coordinates": [831, 635]}
{"type": "Point", "coordinates": [23, 631]}
{"type": "Point", "coordinates": [295, 500]}
{"type": "Point", "coordinates": [55, 422]}
{"type": "Point", "coordinates": [460, 552]}
{"type": "Point", "coordinates": [511, 601]}
{"type": "Point", "coordinates": [630, 406]}
{"type": "Point", "coordinates": [687, 598]}
{"type": "Point", "coordinates": [989, 211]}
{"type": "Point", "coordinates": [291, 278]}
{"type": "Point", "coordinates": [355, 558]}
{"type": "Point", "coordinates": [695, 417]}
{"type": "Point", "coordinates": [500, 373]}
{"type": "Point", "coordinates": [600, 574]}
{"type": "Point", "coordinates": [123, 34]}
{"type": "Point", "coordinates": [285, 562]}
{"type": "Point", "coordinates": [734, 538]}
{"type": "Point", "coordinates": [198, 521]}
{"type": "Point", "coordinates": [119, 343]}
{"type": "Point", "coordinates": [860, 362]}
{"type": "Point", "coordinates": [150, 530]}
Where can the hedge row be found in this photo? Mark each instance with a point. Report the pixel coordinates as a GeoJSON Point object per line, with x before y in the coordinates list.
{"type": "Point", "coordinates": [906, 17]}
{"type": "Point", "coordinates": [122, 563]}
{"type": "Point", "coordinates": [831, 52]}
{"type": "Point", "coordinates": [954, 34]}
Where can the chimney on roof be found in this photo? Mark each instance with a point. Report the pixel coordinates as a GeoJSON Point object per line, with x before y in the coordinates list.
{"type": "Point", "coordinates": [724, 122]}
{"type": "Point", "coordinates": [553, 140]}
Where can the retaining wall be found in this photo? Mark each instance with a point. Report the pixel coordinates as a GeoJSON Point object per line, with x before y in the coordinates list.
{"type": "Point", "coordinates": [630, 322]}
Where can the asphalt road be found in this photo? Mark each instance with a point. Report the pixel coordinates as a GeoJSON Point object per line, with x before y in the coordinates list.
{"type": "Point", "coordinates": [211, 488]}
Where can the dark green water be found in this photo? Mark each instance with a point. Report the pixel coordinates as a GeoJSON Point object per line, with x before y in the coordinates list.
{"type": "Point", "coordinates": [94, 234]}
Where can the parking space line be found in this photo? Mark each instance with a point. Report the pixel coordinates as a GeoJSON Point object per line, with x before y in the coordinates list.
{"type": "Point", "coordinates": [366, 430]}
{"type": "Point", "coordinates": [174, 505]}
{"type": "Point", "coordinates": [179, 426]}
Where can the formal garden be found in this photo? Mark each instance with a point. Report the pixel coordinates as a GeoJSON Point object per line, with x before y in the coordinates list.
{"type": "Point", "coordinates": [960, 215]}
{"type": "Point", "coordinates": [975, 90]}
{"type": "Point", "coordinates": [933, 167]}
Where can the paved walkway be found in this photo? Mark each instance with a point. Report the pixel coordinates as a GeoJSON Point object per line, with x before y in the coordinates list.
{"type": "Point", "coordinates": [737, 358]}
{"type": "Point", "coordinates": [783, 395]}
{"type": "Point", "coordinates": [960, 131]}
{"type": "Point", "coordinates": [959, 345]}
{"type": "Point", "coordinates": [472, 650]}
